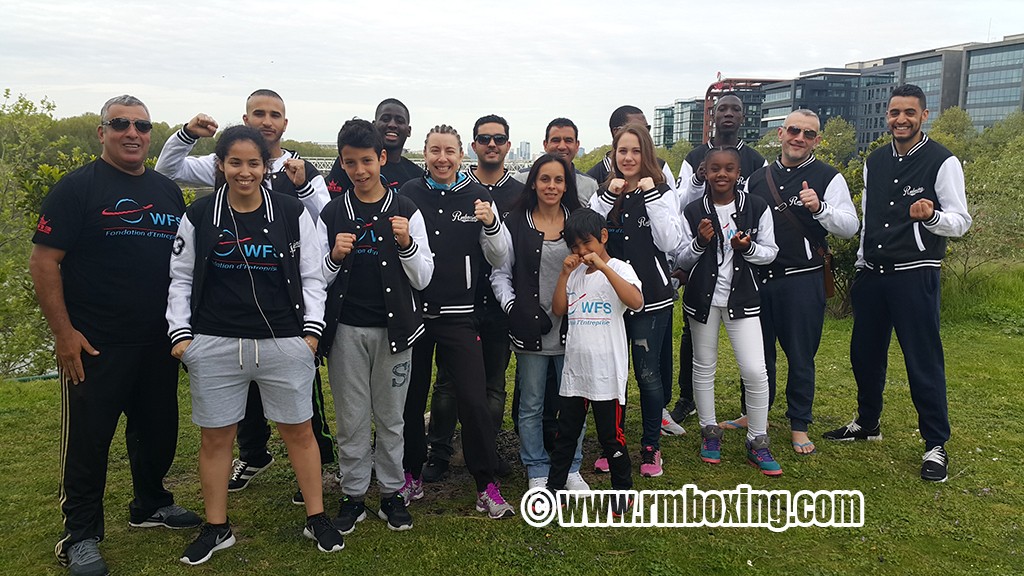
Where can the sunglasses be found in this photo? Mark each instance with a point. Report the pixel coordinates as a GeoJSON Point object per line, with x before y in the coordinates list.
{"type": "Point", "coordinates": [808, 133]}
{"type": "Point", "coordinates": [122, 124]}
{"type": "Point", "coordinates": [485, 139]}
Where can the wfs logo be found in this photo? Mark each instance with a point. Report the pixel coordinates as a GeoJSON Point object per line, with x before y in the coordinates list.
{"type": "Point", "coordinates": [578, 304]}
{"type": "Point", "coordinates": [228, 243]}
{"type": "Point", "coordinates": [131, 212]}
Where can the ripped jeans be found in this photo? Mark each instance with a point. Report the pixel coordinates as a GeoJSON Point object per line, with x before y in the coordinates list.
{"type": "Point", "coordinates": [646, 333]}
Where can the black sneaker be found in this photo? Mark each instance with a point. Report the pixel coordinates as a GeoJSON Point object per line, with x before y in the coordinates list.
{"type": "Point", "coordinates": [854, 431]}
{"type": "Point", "coordinates": [84, 559]}
{"type": "Point", "coordinates": [211, 539]}
{"type": "Point", "coordinates": [351, 511]}
{"type": "Point", "coordinates": [320, 528]}
{"type": "Point", "coordinates": [434, 470]}
{"type": "Point", "coordinates": [683, 410]}
{"type": "Point", "coordinates": [621, 504]}
{"type": "Point", "coordinates": [393, 510]}
{"type": "Point", "coordinates": [297, 498]}
{"type": "Point", "coordinates": [935, 465]}
{"type": "Point", "coordinates": [242, 472]}
{"type": "Point", "coordinates": [173, 516]}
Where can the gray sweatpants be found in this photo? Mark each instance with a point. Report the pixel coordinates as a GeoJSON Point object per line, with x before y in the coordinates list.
{"type": "Point", "coordinates": [367, 379]}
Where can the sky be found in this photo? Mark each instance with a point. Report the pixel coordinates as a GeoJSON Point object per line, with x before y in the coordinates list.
{"type": "Point", "coordinates": [450, 61]}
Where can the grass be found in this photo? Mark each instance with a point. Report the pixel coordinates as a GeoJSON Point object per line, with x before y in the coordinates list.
{"type": "Point", "coordinates": [970, 524]}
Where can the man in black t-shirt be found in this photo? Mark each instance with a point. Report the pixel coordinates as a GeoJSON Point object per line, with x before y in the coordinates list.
{"type": "Point", "coordinates": [392, 120]}
{"type": "Point", "coordinates": [100, 268]}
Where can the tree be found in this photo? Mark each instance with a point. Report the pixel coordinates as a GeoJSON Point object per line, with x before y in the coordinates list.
{"type": "Point", "coordinates": [675, 155]}
{"type": "Point", "coordinates": [838, 142]}
{"type": "Point", "coordinates": [955, 130]}
{"type": "Point", "coordinates": [769, 145]}
{"type": "Point", "coordinates": [590, 159]}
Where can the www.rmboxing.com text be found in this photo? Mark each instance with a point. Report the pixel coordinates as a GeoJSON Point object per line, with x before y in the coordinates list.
{"type": "Point", "coordinates": [691, 507]}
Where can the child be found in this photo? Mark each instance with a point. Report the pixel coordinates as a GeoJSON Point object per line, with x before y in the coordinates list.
{"type": "Point", "coordinates": [594, 297]}
{"type": "Point", "coordinates": [245, 283]}
{"type": "Point", "coordinates": [723, 288]}
{"type": "Point", "coordinates": [379, 260]}
{"type": "Point", "coordinates": [464, 231]}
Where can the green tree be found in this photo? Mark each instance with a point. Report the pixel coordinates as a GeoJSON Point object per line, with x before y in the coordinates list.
{"type": "Point", "coordinates": [838, 142]}
{"type": "Point", "coordinates": [769, 145]}
{"type": "Point", "coordinates": [675, 155]}
{"type": "Point", "coordinates": [590, 159]}
{"type": "Point", "coordinates": [955, 130]}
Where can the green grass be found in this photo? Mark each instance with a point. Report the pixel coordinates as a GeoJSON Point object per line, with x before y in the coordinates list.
{"type": "Point", "coordinates": [969, 525]}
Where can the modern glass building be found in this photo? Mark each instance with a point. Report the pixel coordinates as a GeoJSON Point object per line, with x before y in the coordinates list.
{"type": "Point", "coordinates": [664, 127]}
{"type": "Point", "coordinates": [993, 81]}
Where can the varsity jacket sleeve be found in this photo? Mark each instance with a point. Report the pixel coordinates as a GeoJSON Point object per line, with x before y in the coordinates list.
{"type": "Point", "coordinates": [416, 259]}
{"type": "Point", "coordinates": [665, 226]}
{"type": "Point", "coordinates": [179, 294]}
{"type": "Point", "coordinates": [688, 188]}
{"type": "Point", "coordinates": [602, 202]}
{"type": "Point", "coordinates": [863, 203]}
{"type": "Point", "coordinates": [327, 267]}
{"type": "Point", "coordinates": [763, 250]}
{"type": "Point", "coordinates": [951, 217]}
{"type": "Point", "coordinates": [501, 277]}
{"type": "Point", "coordinates": [176, 164]}
{"type": "Point", "coordinates": [493, 242]}
{"type": "Point", "coordinates": [689, 251]}
{"type": "Point", "coordinates": [837, 214]}
{"type": "Point", "coordinates": [314, 285]}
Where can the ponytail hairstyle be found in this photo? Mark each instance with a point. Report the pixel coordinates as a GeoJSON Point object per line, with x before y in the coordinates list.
{"type": "Point", "coordinates": [443, 129]}
{"type": "Point", "coordinates": [240, 133]}
{"type": "Point", "coordinates": [528, 199]}
{"type": "Point", "coordinates": [707, 192]}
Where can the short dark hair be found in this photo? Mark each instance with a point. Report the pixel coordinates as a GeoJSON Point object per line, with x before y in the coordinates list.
{"type": "Point", "coordinates": [360, 134]}
{"type": "Point", "coordinates": [618, 117]}
{"type": "Point", "coordinates": [265, 92]}
{"type": "Point", "coordinates": [911, 91]}
{"type": "Point", "coordinates": [387, 101]}
{"type": "Point", "coordinates": [490, 118]}
{"type": "Point", "coordinates": [561, 123]}
{"type": "Point", "coordinates": [582, 224]}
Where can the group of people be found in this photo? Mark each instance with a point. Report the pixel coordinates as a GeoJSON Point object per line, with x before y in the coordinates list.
{"type": "Point", "coordinates": [384, 270]}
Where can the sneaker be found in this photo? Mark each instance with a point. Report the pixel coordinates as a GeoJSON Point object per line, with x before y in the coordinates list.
{"type": "Point", "coordinates": [669, 426]}
{"type": "Point", "coordinates": [683, 410]}
{"type": "Point", "coordinates": [211, 539]}
{"type": "Point", "coordinates": [490, 501]}
{"type": "Point", "coordinates": [621, 503]}
{"type": "Point", "coordinates": [173, 516]}
{"type": "Point", "coordinates": [711, 444]}
{"type": "Point", "coordinates": [760, 457]}
{"type": "Point", "coordinates": [320, 528]}
{"type": "Point", "coordinates": [393, 511]}
{"type": "Point", "coordinates": [84, 559]}
{"type": "Point", "coordinates": [601, 465]}
{"type": "Point", "coordinates": [350, 512]}
{"type": "Point", "coordinates": [538, 482]}
{"type": "Point", "coordinates": [854, 431]}
{"type": "Point", "coordinates": [935, 465]}
{"type": "Point", "coordinates": [298, 499]}
{"type": "Point", "coordinates": [575, 481]}
{"type": "Point", "coordinates": [650, 462]}
{"type": "Point", "coordinates": [412, 489]}
{"type": "Point", "coordinates": [242, 473]}
{"type": "Point", "coordinates": [434, 470]}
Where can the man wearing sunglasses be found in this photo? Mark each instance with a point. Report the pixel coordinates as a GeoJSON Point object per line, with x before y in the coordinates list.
{"type": "Point", "coordinates": [99, 264]}
{"type": "Point", "coordinates": [288, 174]}
{"type": "Point", "coordinates": [810, 200]}
{"type": "Point", "coordinates": [491, 144]}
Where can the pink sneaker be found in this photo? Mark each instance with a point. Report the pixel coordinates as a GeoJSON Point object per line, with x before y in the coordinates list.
{"type": "Point", "coordinates": [650, 462]}
{"type": "Point", "coordinates": [601, 465]}
{"type": "Point", "coordinates": [491, 502]}
{"type": "Point", "coordinates": [412, 489]}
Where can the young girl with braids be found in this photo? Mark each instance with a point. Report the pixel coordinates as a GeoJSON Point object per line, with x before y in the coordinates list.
{"type": "Point", "coordinates": [725, 233]}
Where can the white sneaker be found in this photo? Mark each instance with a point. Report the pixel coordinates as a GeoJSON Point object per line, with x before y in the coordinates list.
{"type": "Point", "coordinates": [575, 481]}
{"type": "Point", "coordinates": [538, 482]}
{"type": "Point", "coordinates": [669, 427]}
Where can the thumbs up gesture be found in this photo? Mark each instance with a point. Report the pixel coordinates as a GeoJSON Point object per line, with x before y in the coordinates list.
{"type": "Point", "coordinates": [809, 198]}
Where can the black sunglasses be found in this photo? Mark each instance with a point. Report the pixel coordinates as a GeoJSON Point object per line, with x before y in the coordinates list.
{"type": "Point", "coordinates": [808, 133]}
{"type": "Point", "coordinates": [122, 124]}
{"type": "Point", "coordinates": [485, 139]}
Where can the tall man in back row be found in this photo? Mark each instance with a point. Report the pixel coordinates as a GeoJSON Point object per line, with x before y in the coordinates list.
{"type": "Point", "coordinates": [392, 121]}
{"type": "Point", "coordinates": [289, 175]}
{"type": "Point", "coordinates": [100, 265]}
{"type": "Point", "coordinates": [913, 200]}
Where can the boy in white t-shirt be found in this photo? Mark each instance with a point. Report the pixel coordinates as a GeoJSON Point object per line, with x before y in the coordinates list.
{"type": "Point", "coordinates": [595, 296]}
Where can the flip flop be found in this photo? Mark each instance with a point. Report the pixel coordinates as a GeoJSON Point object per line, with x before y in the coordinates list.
{"type": "Point", "coordinates": [733, 425]}
{"type": "Point", "coordinates": [804, 445]}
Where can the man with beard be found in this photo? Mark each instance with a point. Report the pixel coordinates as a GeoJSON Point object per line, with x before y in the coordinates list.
{"type": "Point", "coordinates": [913, 200]}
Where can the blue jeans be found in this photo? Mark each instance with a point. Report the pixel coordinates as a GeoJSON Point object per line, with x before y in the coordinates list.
{"type": "Point", "coordinates": [646, 333]}
{"type": "Point", "coordinates": [533, 370]}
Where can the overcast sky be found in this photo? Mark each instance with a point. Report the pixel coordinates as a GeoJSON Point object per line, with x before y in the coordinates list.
{"type": "Point", "coordinates": [450, 61]}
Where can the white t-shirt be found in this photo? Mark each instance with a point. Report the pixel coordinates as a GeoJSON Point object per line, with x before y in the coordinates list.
{"type": "Point", "coordinates": [724, 285]}
{"type": "Point", "coordinates": [596, 353]}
